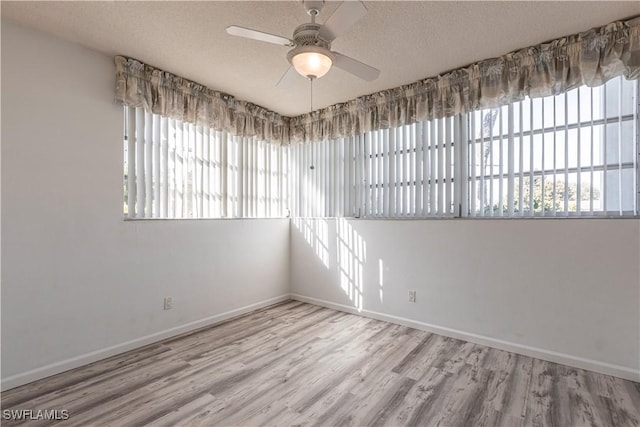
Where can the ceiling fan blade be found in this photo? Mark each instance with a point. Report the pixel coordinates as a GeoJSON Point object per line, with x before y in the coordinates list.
{"type": "Point", "coordinates": [348, 13]}
{"type": "Point", "coordinates": [355, 67]}
{"type": "Point", "coordinates": [258, 35]}
{"type": "Point", "coordinates": [287, 78]}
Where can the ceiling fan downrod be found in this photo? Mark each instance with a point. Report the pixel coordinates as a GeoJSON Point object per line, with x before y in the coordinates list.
{"type": "Point", "coordinates": [313, 8]}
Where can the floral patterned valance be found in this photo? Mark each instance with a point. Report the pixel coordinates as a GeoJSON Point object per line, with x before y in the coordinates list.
{"type": "Point", "coordinates": [590, 58]}
{"type": "Point", "coordinates": [160, 92]}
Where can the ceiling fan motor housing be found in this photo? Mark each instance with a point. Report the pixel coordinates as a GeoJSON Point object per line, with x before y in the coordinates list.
{"type": "Point", "coordinates": [308, 35]}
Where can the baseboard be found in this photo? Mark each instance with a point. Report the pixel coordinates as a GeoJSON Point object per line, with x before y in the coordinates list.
{"type": "Point", "coordinates": [94, 356]}
{"type": "Point", "coordinates": [538, 353]}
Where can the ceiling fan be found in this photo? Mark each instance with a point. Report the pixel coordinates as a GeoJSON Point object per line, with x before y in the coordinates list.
{"type": "Point", "coordinates": [311, 55]}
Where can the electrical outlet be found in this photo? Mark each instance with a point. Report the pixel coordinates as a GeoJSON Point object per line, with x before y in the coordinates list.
{"type": "Point", "coordinates": [412, 296]}
{"type": "Point", "coordinates": [168, 303]}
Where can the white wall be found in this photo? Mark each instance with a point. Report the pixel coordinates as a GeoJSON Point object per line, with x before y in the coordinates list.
{"type": "Point", "coordinates": [563, 290]}
{"type": "Point", "coordinates": [76, 278]}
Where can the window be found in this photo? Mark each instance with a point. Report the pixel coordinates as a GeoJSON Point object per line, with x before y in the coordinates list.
{"type": "Point", "coordinates": [398, 172]}
{"type": "Point", "coordinates": [574, 154]}
{"type": "Point", "coordinates": [175, 169]}
{"type": "Point", "coordinates": [565, 155]}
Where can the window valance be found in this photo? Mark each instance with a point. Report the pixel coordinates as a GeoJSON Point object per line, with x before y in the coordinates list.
{"type": "Point", "coordinates": [590, 58]}
{"type": "Point", "coordinates": [160, 92]}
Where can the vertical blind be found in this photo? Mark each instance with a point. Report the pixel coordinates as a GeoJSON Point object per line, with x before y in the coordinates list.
{"type": "Point", "coordinates": [407, 170]}
{"type": "Point", "coordinates": [325, 178]}
{"type": "Point", "coordinates": [175, 169]}
{"type": "Point", "coordinates": [400, 172]}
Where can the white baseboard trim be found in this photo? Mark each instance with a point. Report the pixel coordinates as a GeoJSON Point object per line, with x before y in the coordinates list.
{"type": "Point", "coordinates": [538, 353]}
{"type": "Point", "coordinates": [85, 359]}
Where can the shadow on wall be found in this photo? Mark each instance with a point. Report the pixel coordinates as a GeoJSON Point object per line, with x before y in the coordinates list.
{"type": "Point", "coordinates": [336, 241]}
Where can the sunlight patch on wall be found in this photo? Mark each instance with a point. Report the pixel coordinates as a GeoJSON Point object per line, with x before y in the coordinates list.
{"type": "Point", "coordinates": [352, 250]}
{"type": "Point", "coordinates": [316, 234]}
{"type": "Point", "coordinates": [380, 279]}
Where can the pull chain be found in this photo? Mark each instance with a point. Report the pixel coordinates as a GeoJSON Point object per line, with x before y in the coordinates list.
{"type": "Point", "coordinates": [312, 167]}
{"type": "Point", "coordinates": [311, 95]}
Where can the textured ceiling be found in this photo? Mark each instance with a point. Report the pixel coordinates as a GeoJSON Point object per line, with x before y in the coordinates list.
{"type": "Point", "coordinates": [407, 41]}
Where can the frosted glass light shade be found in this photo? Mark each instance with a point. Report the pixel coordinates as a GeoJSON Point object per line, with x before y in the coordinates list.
{"type": "Point", "coordinates": [310, 63]}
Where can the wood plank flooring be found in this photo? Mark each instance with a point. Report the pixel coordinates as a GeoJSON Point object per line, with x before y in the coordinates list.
{"type": "Point", "coordinates": [299, 364]}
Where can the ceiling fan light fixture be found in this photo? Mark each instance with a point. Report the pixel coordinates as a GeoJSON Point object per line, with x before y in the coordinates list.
{"type": "Point", "coordinates": [311, 61]}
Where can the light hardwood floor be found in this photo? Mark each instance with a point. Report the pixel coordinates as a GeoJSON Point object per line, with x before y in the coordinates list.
{"type": "Point", "coordinates": [299, 364]}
